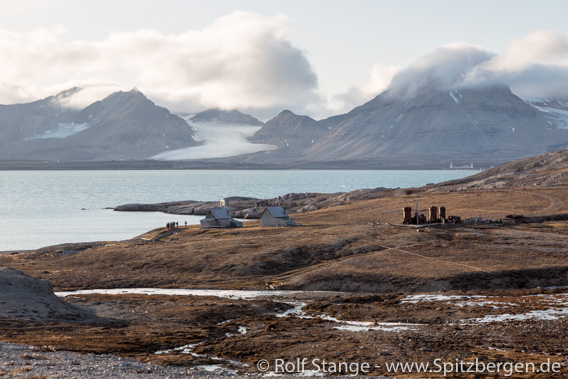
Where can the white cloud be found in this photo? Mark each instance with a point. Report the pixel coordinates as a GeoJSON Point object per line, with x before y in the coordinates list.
{"type": "Point", "coordinates": [540, 47]}
{"type": "Point", "coordinates": [380, 78]}
{"type": "Point", "coordinates": [10, 8]}
{"type": "Point", "coordinates": [246, 61]}
{"type": "Point", "coordinates": [240, 60]}
{"type": "Point", "coordinates": [446, 67]}
{"type": "Point", "coordinates": [533, 66]}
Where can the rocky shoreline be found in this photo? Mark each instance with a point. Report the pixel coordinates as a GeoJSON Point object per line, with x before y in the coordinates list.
{"type": "Point", "coordinates": [251, 208]}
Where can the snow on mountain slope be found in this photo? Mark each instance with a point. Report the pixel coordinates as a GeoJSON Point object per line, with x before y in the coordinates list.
{"type": "Point", "coordinates": [556, 110]}
{"type": "Point", "coordinates": [62, 130]}
{"type": "Point", "coordinates": [472, 122]}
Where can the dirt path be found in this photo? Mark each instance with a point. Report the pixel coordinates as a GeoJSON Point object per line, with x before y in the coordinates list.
{"type": "Point", "coordinates": [432, 258]}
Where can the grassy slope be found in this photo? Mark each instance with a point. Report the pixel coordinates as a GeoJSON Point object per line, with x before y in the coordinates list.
{"type": "Point", "coordinates": [337, 248]}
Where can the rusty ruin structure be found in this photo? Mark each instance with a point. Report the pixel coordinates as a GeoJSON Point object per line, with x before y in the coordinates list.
{"type": "Point", "coordinates": [436, 215]}
{"type": "Point", "coordinates": [433, 214]}
{"type": "Point", "coordinates": [407, 214]}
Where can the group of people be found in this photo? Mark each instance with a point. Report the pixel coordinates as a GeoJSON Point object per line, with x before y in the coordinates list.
{"type": "Point", "coordinates": [174, 225]}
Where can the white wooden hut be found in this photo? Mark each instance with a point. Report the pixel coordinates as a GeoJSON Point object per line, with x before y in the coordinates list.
{"type": "Point", "coordinates": [219, 218]}
{"type": "Point", "coordinates": [275, 216]}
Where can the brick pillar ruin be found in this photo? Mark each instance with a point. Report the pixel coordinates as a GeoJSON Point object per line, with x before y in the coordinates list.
{"type": "Point", "coordinates": [442, 213]}
{"type": "Point", "coordinates": [433, 214]}
{"type": "Point", "coordinates": [407, 214]}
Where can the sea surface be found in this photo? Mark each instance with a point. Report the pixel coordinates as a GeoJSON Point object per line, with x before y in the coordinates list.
{"type": "Point", "coordinates": [43, 208]}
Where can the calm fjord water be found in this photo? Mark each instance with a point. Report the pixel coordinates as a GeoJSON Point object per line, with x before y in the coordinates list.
{"type": "Point", "coordinates": [42, 208]}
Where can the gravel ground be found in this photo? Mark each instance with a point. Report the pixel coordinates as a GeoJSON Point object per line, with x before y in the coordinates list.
{"type": "Point", "coordinates": [22, 361]}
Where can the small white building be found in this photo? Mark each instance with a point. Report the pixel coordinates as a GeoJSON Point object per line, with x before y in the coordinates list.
{"type": "Point", "coordinates": [275, 216]}
{"type": "Point", "coordinates": [219, 218]}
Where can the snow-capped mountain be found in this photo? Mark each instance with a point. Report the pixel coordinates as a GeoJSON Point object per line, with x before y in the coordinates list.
{"type": "Point", "coordinates": [466, 122]}
{"type": "Point", "coordinates": [124, 125]}
{"type": "Point", "coordinates": [21, 121]}
{"type": "Point", "coordinates": [488, 124]}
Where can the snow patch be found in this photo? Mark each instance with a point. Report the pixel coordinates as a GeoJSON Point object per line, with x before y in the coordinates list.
{"type": "Point", "coordinates": [228, 294]}
{"type": "Point", "coordinates": [188, 349]}
{"type": "Point", "coordinates": [559, 116]}
{"type": "Point", "coordinates": [414, 299]}
{"type": "Point", "coordinates": [62, 130]}
{"type": "Point", "coordinates": [296, 311]}
{"type": "Point", "coordinates": [345, 325]}
{"type": "Point", "coordinates": [456, 96]}
{"type": "Point", "coordinates": [367, 328]}
{"type": "Point", "coordinates": [547, 314]}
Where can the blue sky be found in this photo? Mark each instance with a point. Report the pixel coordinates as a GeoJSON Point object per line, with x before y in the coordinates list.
{"type": "Point", "coordinates": [317, 57]}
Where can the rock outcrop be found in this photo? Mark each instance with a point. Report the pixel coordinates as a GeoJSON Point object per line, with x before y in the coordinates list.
{"type": "Point", "coordinates": [28, 299]}
{"type": "Point", "coordinates": [252, 208]}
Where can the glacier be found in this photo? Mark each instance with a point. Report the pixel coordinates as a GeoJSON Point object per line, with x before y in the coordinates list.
{"type": "Point", "coordinates": [220, 141]}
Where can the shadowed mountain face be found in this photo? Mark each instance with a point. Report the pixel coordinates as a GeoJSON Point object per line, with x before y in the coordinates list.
{"type": "Point", "coordinates": [465, 122]}
{"type": "Point", "coordinates": [125, 125]}
{"type": "Point", "coordinates": [226, 117]}
{"type": "Point", "coordinates": [291, 132]}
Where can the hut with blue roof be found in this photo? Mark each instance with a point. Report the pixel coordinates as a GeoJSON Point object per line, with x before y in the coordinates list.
{"type": "Point", "coordinates": [219, 218]}
{"type": "Point", "coordinates": [275, 216]}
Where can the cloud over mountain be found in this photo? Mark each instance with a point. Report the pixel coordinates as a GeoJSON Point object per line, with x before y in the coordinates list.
{"type": "Point", "coordinates": [536, 65]}
{"type": "Point", "coordinates": [380, 78]}
{"type": "Point", "coordinates": [247, 61]}
{"type": "Point", "coordinates": [240, 60]}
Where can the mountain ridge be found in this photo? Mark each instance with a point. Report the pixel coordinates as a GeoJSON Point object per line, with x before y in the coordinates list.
{"type": "Point", "coordinates": [290, 131]}
{"type": "Point", "coordinates": [124, 125]}
{"type": "Point", "coordinates": [467, 122]}
{"type": "Point", "coordinates": [226, 117]}
{"type": "Point", "coordinates": [486, 125]}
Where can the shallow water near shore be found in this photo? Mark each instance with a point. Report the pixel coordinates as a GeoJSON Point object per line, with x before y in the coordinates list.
{"type": "Point", "coordinates": [42, 208]}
